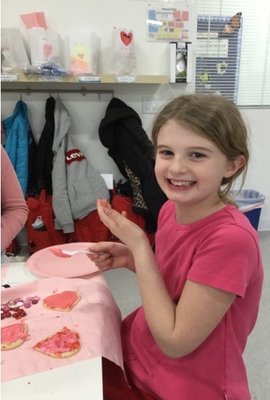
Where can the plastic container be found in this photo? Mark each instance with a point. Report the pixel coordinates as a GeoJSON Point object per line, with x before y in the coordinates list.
{"type": "Point", "coordinates": [250, 202]}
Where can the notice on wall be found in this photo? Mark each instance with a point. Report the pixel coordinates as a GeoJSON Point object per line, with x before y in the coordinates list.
{"type": "Point", "coordinates": [168, 22]}
{"type": "Point", "coordinates": [217, 48]}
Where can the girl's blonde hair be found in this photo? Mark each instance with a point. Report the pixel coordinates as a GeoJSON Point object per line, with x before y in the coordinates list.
{"type": "Point", "coordinates": [215, 118]}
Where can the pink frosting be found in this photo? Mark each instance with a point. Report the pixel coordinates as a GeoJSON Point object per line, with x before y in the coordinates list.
{"type": "Point", "coordinates": [12, 333]}
{"type": "Point", "coordinates": [62, 300]}
{"type": "Point", "coordinates": [62, 341]}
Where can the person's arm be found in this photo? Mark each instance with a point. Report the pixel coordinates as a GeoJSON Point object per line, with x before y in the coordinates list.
{"type": "Point", "coordinates": [14, 210]}
{"type": "Point", "coordinates": [177, 328]}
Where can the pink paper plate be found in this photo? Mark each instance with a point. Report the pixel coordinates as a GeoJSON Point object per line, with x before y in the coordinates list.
{"type": "Point", "coordinates": [44, 263]}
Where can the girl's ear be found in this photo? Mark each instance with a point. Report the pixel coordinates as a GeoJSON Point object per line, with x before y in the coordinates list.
{"type": "Point", "coordinates": [234, 166]}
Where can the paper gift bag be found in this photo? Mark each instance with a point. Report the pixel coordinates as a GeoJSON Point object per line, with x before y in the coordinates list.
{"type": "Point", "coordinates": [82, 52]}
{"type": "Point", "coordinates": [44, 46]}
{"type": "Point", "coordinates": [123, 52]}
{"type": "Point", "coordinates": [13, 50]}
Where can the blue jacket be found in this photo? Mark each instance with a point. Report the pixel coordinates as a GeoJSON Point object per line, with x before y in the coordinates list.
{"type": "Point", "coordinates": [18, 140]}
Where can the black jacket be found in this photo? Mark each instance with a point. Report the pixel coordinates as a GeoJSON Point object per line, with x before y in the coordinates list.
{"type": "Point", "coordinates": [122, 133]}
{"type": "Point", "coordinates": [44, 155]}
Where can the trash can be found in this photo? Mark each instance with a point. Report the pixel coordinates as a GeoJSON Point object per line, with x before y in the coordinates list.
{"type": "Point", "coordinates": [250, 202]}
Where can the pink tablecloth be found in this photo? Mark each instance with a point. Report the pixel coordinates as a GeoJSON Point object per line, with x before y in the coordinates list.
{"type": "Point", "coordinates": [96, 318]}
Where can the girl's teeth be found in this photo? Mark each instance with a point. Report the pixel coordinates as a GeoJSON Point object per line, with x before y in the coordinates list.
{"type": "Point", "coordinates": [182, 183]}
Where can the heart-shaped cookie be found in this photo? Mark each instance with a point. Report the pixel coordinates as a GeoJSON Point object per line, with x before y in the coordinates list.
{"type": "Point", "coordinates": [62, 344]}
{"type": "Point", "coordinates": [62, 301]}
{"type": "Point", "coordinates": [13, 335]}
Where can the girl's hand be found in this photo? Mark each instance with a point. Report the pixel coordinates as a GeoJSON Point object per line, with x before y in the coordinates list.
{"type": "Point", "coordinates": [109, 255]}
{"type": "Point", "coordinates": [126, 231]}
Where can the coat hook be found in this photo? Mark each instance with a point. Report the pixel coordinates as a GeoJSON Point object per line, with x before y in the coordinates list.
{"type": "Point", "coordinates": [83, 91]}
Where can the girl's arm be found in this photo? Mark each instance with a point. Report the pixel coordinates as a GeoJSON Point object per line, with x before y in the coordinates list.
{"type": "Point", "coordinates": [177, 328]}
{"type": "Point", "coordinates": [14, 210]}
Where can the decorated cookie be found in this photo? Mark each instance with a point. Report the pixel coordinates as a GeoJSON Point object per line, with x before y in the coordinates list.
{"type": "Point", "coordinates": [13, 336]}
{"type": "Point", "coordinates": [63, 301]}
{"type": "Point", "coordinates": [62, 344]}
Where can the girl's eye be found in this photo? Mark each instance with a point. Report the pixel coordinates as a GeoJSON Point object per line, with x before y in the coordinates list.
{"type": "Point", "coordinates": [196, 154]}
{"type": "Point", "coordinates": [165, 153]}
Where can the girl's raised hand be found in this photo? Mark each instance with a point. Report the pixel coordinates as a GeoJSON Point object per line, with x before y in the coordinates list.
{"type": "Point", "coordinates": [126, 231]}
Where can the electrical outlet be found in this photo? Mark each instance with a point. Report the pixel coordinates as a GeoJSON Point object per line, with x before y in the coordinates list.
{"type": "Point", "coordinates": [151, 105]}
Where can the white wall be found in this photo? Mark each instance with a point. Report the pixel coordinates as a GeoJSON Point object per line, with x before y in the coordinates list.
{"type": "Point", "coordinates": [152, 59]}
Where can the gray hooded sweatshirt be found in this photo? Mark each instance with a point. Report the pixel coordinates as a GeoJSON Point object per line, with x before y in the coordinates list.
{"type": "Point", "coordinates": [75, 182]}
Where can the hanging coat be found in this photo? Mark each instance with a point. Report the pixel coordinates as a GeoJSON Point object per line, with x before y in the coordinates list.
{"type": "Point", "coordinates": [19, 142]}
{"type": "Point", "coordinates": [76, 183]}
{"type": "Point", "coordinates": [44, 157]}
{"type": "Point", "coordinates": [122, 133]}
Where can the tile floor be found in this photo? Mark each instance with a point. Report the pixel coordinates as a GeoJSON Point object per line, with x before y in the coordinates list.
{"type": "Point", "coordinates": [257, 355]}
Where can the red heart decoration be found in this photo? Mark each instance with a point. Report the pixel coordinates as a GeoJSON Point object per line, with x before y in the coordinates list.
{"type": "Point", "coordinates": [126, 37]}
{"type": "Point", "coordinates": [47, 50]}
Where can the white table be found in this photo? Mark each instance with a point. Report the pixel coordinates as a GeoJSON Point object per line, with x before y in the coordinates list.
{"type": "Point", "coordinates": [82, 380]}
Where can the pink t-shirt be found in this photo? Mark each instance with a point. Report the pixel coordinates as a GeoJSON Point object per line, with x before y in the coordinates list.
{"type": "Point", "coordinates": [14, 210]}
{"type": "Point", "coordinates": [220, 251]}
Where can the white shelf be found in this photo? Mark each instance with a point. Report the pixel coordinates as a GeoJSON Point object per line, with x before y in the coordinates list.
{"type": "Point", "coordinates": [37, 83]}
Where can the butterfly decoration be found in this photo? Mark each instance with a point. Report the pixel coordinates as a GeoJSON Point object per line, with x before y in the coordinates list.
{"type": "Point", "coordinates": [234, 24]}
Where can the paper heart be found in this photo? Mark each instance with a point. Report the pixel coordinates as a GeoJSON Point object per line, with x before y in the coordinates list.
{"type": "Point", "coordinates": [47, 50]}
{"type": "Point", "coordinates": [126, 37]}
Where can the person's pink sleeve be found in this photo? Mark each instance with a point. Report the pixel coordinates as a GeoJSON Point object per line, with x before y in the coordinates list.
{"type": "Point", "coordinates": [14, 210]}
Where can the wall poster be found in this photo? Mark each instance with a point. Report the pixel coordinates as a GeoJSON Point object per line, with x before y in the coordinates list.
{"type": "Point", "coordinates": [168, 21]}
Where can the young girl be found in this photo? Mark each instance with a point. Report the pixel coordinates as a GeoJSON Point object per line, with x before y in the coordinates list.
{"type": "Point", "coordinates": [201, 287]}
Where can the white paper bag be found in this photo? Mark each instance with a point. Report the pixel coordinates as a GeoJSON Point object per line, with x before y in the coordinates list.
{"type": "Point", "coordinates": [123, 52]}
{"type": "Point", "coordinates": [13, 50]}
{"type": "Point", "coordinates": [44, 46]}
{"type": "Point", "coordinates": [82, 52]}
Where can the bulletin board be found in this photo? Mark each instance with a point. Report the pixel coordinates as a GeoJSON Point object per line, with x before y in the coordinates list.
{"type": "Point", "coordinates": [218, 55]}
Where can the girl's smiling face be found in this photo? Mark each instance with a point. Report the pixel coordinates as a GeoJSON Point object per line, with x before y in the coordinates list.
{"type": "Point", "coordinates": [189, 169]}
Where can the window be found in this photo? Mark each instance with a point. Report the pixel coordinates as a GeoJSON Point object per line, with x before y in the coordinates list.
{"type": "Point", "coordinates": [233, 50]}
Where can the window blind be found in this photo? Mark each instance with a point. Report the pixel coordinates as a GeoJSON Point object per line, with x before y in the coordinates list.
{"type": "Point", "coordinates": [233, 50]}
